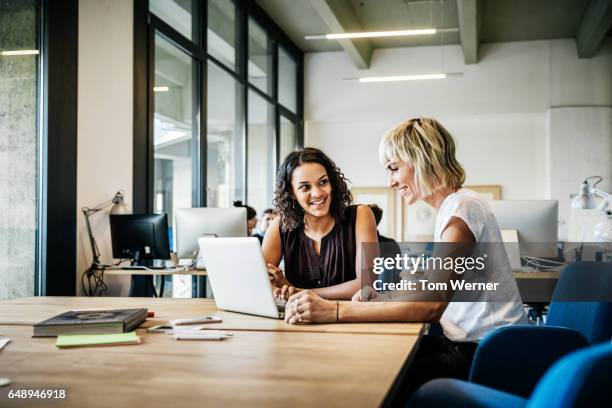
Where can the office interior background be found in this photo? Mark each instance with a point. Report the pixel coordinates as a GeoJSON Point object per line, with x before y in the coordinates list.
{"type": "Point", "coordinates": [186, 103]}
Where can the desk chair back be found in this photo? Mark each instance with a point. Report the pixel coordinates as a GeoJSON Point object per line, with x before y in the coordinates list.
{"type": "Point", "coordinates": [568, 309]}
{"type": "Point", "coordinates": [580, 379]}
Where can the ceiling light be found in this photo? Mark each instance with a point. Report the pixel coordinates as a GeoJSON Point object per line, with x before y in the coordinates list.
{"type": "Point", "coordinates": [374, 34]}
{"type": "Point", "coordinates": [19, 52]}
{"type": "Point", "coordinates": [160, 89]}
{"type": "Point", "coordinates": [395, 78]}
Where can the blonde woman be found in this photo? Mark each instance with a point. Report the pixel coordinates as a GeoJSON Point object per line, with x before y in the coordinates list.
{"type": "Point", "coordinates": [419, 155]}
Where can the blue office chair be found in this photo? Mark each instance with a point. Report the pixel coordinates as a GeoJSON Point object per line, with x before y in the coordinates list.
{"type": "Point", "coordinates": [580, 379]}
{"type": "Point", "coordinates": [579, 280]}
{"type": "Point", "coordinates": [501, 357]}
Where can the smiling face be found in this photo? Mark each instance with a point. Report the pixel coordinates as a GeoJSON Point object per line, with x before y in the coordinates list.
{"type": "Point", "coordinates": [312, 189]}
{"type": "Point", "coordinates": [401, 177]}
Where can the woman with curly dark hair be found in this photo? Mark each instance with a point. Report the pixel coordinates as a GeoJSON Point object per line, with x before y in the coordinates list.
{"type": "Point", "coordinates": [318, 232]}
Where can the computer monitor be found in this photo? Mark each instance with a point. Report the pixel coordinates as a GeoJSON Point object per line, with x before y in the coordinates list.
{"type": "Point", "coordinates": [193, 223]}
{"type": "Point", "coordinates": [140, 236]}
{"type": "Point", "coordinates": [535, 221]}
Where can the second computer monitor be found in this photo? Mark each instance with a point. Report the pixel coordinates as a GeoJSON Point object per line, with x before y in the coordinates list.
{"type": "Point", "coordinates": [193, 223]}
{"type": "Point", "coordinates": [536, 222]}
{"type": "Point", "coordinates": [140, 236]}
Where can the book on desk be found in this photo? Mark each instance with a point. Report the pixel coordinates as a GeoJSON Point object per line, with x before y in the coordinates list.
{"type": "Point", "coordinates": [91, 322]}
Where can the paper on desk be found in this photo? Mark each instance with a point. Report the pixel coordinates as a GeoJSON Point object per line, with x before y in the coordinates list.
{"type": "Point", "coordinates": [93, 340]}
{"type": "Point", "coordinates": [4, 341]}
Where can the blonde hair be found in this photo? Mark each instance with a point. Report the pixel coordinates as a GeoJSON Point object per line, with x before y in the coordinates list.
{"type": "Point", "coordinates": [427, 145]}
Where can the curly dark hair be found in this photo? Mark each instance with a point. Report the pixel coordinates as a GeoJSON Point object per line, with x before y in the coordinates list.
{"type": "Point", "coordinates": [291, 213]}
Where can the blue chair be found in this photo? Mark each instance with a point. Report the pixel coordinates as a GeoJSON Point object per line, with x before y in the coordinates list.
{"type": "Point", "coordinates": [513, 358]}
{"type": "Point", "coordinates": [578, 281]}
{"type": "Point", "coordinates": [580, 379]}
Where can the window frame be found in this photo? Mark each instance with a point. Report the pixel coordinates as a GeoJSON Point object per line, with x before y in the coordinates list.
{"type": "Point", "coordinates": [146, 25]}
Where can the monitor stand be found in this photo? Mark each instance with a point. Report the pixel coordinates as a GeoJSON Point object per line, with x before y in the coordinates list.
{"type": "Point", "coordinates": [142, 285]}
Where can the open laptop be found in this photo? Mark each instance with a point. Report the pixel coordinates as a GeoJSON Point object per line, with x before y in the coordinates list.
{"type": "Point", "coordinates": [239, 276]}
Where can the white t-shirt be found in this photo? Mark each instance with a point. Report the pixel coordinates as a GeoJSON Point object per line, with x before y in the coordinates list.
{"type": "Point", "coordinates": [470, 321]}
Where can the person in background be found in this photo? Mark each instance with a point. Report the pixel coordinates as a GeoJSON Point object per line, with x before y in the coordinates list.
{"type": "Point", "coordinates": [266, 218]}
{"type": "Point", "coordinates": [318, 233]}
{"type": "Point", "coordinates": [251, 217]}
{"type": "Point", "coordinates": [388, 247]}
{"type": "Point", "coordinates": [378, 213]}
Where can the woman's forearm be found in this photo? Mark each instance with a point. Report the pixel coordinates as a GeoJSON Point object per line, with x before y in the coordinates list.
{"type": "Point", "coordinates": [343, 291]}
{"type": "Point", "coordinates": [391, 311]}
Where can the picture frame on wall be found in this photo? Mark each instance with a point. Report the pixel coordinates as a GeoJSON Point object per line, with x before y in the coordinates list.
{"type": "Point", "coordinates": [384, 197]}
{"type": "Point", "coordinates": [490, 192]}
{"type": "Point", "coordinates": [418, 222]}
{"type": "Point", "coordinates": [419, 219]}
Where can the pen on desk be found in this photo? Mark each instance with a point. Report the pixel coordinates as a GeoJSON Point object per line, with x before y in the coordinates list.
{"type": "Point", "coordinates": [212, 335]}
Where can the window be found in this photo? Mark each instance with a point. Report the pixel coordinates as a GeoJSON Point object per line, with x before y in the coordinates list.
{"type": "Point", "coordinates": [221, 33]}
{"type": "Point", "coordinates": [18, 147]}
{"type": "Point", "coordinates": [260, 58]}
{"type": "Point", "coordinates": [261, 153]}
{"type": "Point", "coordinates": [175, 129]}
{"type": "Point", "coordinates": [225, 141]}
{"type": "Point", "coordinates": [180, 15]}
{"type": "Point", "coordinates": [287, 80]}
{"type": "Point", "coordinates": [209, 124]}
{"type": "Point", "coordinates": [288, 138]}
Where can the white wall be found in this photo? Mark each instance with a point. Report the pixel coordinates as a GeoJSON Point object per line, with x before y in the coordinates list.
{"type": "Point", "coordinates": [580, 146]}
{"type": "Point", "coordinates": [105, 118]}
{"type": "Point", "coordinates": [498, 111]}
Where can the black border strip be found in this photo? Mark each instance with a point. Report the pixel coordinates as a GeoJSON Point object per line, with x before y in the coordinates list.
{"type": "Point", "coordinates": [140, 188]}
{"type": "Point", "coordinates": [58, 226]}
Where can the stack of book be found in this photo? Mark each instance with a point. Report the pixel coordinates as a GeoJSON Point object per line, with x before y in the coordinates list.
{"type": "Point", "coordinates": [91, 322]}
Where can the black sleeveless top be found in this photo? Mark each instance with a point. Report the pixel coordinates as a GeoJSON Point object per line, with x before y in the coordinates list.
{"type": "Point", "coordinates": [336, 262]}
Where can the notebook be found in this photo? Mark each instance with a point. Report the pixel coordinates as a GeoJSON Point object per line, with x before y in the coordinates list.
{"type": "Point", "coordinates": [91, 322]}
{"type": "Point", "coordinates": [97, 340]}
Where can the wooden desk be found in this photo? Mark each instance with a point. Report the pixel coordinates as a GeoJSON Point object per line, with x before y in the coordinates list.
{"type": "Point", "coordinates": [142, 280]}
{"type": "Point", "coordinates": [29, 311]}
{"type": "Point", "coordinates": [293, 367]}
{"type": "Point", "coordinates": [536, 287]}
{"type": "Point", "coordinates": [537, 275]}
{"type": "Point", "coordinates": [155, 272]}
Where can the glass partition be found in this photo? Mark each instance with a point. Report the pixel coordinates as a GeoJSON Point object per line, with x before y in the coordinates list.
{"type": "Point", "coordinates": [179, 14]}
{"type": "Point", "coordinates": [19, 144]}
{"type": "Point", "coordinates": [225, 139]}
{"type": "Point", "coordinates": [261, 153]}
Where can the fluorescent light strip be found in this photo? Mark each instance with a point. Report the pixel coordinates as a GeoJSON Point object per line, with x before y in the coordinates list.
{"type": "Point", "coordinates": [402, 78]}
{"type": "Point", "coordinates": [19, 52]}
{"type": "Point", "coordinates": [374, 34]}
{"type": "Point", "coordinates": [160, 89]}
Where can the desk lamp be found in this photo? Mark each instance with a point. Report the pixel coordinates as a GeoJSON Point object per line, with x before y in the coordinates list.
{"type": "Point", "coordinates": [96, 270]}
{"type": "Point", "coordinates": [585, 200]}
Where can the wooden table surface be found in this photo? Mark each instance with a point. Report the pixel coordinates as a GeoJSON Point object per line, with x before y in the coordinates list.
{"type": "Point", "coordinates": [29, 311]}
{"type": "Point", "coordinates": [252, 369]}
{"type": "Point", "coordinates": [164, 272]}
{"type": "Point", "coordinates": [537, 275]}
{"type": "Point", "coordinates": [266, 363]}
